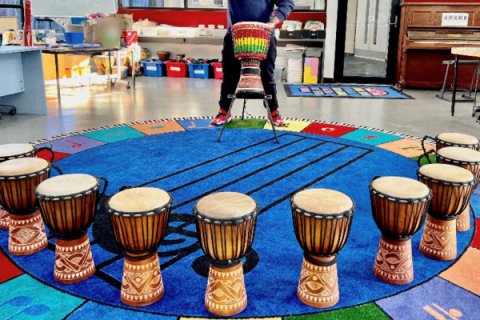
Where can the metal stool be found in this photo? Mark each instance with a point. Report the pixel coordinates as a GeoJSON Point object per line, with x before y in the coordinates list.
{"type": "Point", "coordinates": [466, 97]}
{"type": "Point", "coordinates": [265, 104]}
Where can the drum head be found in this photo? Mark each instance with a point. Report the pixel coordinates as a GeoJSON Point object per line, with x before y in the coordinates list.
{"type": "Point", "coordinates": [15, 149]}
{"type": "Point", "coordinates": [138, 200]}
{"type": "Point", "coordinates": [400, 187]}
{"type": "Point", "coordinates": [446, 172]}
{"type": "Point", "coordinates": [322, 201]}
{"type": "Point", "coordinates": [65, 185]}
{"type": "Point", "coordinates": [457, 138]}
{"type": "Point", "coordinates": [460, 154]}
{"type": "Point", "coordinates": [226, 205]}
{"type": "Point", "coordinates": [249, 23]}
{"type": "Point", "coordinates": [23, 166]}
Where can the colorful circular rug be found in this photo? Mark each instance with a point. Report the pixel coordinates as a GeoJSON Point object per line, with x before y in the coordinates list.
{"type": "Point", "coordinates": [183, 157]}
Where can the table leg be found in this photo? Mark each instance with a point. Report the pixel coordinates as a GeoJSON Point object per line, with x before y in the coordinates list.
{"type": "Point", "coordinates": [454, 93]}
{"type": "Point", "coordinates": [57, 72]}
{"type": "Point", "coordinates": [110, 67]}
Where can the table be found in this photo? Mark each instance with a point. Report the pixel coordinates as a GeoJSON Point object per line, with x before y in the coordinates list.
{"type": "Point", "coordinates": [22, 83]}
{"type": "Point", "coordinates": [473, 52]}
{"type": "Point", "coordinates": [84, 52]}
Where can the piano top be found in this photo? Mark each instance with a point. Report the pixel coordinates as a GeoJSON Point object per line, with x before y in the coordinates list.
{"type": "Point", "coordinates": [441, 38]}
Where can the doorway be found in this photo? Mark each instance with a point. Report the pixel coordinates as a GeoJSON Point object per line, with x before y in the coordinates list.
{"type": "Point", "coordinates": [367, 41]}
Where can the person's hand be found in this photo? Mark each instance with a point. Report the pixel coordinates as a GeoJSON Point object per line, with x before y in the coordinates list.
{"type": "Point", "coordinates": [273, 23]}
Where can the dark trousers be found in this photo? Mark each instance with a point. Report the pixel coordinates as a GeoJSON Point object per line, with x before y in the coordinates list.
{"type": "Point", "coordinates": [231, 73]}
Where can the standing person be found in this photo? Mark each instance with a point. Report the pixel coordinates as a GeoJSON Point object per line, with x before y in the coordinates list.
{"type": "Point", "coordinates": [255, 11]}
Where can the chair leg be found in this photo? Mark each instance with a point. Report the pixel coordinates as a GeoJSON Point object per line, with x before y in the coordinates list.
{"type": "Point", "coordinates": [225, 123]}
{"type": "Point", "coordinates": [477, 72]}
{"type": "Point", "coordinates": [270, 118]}
{"type": "Point", "coordinates": [442, 91]}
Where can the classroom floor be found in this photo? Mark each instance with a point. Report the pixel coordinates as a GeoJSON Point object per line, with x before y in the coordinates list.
{"type": "Point", "coordinates": [157, 98]}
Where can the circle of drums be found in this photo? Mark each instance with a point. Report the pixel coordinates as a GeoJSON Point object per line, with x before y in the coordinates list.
{"type": "Point", "coordinates": [226, 224]}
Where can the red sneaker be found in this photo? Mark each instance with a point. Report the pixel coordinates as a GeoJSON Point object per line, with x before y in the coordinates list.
{"type": "Point", "coordinates": [277, 119]}
{"type": "Point", "coordinates": [221, 118]}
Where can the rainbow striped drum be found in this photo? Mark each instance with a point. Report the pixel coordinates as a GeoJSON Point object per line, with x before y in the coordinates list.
{"type": "Point", "coordinates": [251, 42]}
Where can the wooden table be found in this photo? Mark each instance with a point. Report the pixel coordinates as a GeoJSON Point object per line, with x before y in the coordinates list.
{"type": "Point", "coordinates": [82, 51]}
{"type": "Point", "coordinates": [473, 52]}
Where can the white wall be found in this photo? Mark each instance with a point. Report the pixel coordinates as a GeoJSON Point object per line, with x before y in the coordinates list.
{"type": "Point", "coordinates": [351, 26]}
{"type": "Point", "coordinates": [331, 37]}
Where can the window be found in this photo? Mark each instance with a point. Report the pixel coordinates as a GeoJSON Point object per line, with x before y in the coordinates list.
{"type": "Point", "coordinates": [300, 5]}
{"type": "Point", "coordinates": [12, 8]}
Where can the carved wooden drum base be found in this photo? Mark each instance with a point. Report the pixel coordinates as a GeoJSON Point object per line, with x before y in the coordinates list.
{"type": "Point", "coordinates": [26, 234]}
{"type": "Point", "coordinates": [142, 283]}
{"type": "Point", "coordinates": [394, 262]}
{"type": "Point", "coordinates": [4, 219]}
{"type": "Point", "coordinates": [226, 294]}
{"type": "Point", "coordinates": [463, 220]}
{"type": "Point", "coordinates": [318, 285]}
{"type": "Point", "coordinates": [250, 84]}
{"type": "Point", "coordinates": [439, 239]}
{"type": "Point", "coordinates": [73, 260]}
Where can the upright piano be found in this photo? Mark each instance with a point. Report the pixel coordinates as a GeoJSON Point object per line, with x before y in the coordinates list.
{"type": "Point", "coordinates": [424, 43]}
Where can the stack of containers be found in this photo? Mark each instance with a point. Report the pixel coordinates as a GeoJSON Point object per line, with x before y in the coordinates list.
{"type": "Point", "coordinates": [199, 70]}
{"type": "Point", "coordinates": [217, 70]}
{"type": "Point", "coordinates": [310, 71]}
{"type": "Point", "coordinates": [153, 68]}
{"type": "Point", "coordinates": [177, 69]}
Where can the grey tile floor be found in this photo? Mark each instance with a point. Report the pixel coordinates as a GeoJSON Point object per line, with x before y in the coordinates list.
{"type": "Point", "coordinates": [361, 67]}
{"type": "Point", "coordinates": [156, 98]}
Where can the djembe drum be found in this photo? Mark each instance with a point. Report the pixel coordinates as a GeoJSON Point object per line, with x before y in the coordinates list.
{"type": "Point", "coordinates": [321, 220]}
{"type": "Point", "coordinates": [468, 159]}
{"type": "Point", "coordinates": [139, 219]}
{"type": "Point", "coordinates": [68, 204]}
{"type": "Point", "coordinates": [225, 227]}
{"type": "Point", "coordinates": [18, 180]}
{"type": "Point", "coordinates": [451, 190]}
{"type": "Point", "coordinates": [399, 206]}
{"type": "Point", "coordinates": [251, 42]}
{"type": "Point", "coordinates": [452, 139]}
{"type": "Point", "coordinates": [15, 151]}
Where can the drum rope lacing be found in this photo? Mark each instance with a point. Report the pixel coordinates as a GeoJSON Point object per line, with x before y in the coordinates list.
{"type": "Point", "coordinates": [237, 230]}
{"type": "Point", "coordinates": [446, 194]}
{"type": "Point", "coordinates": [412, 221]}
{"type": "Point", "coordinates": [345, 218]}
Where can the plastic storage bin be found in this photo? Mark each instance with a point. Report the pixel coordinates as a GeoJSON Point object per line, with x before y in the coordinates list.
{"type": "Point", "coordinates": [74, 37]}
{"type": "Point", "coordinates": [153, 68]}
{"type": "Point", "coordinates": [217, 70]}
{"type": "Point", "coordinates": [200, 70]}
{"type": "Point", "coordinates": [177, 69]}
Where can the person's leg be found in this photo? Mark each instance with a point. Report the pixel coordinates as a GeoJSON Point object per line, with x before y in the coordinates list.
{"type": "Point", "coordinates": [268, 79]}
{"type": "Point", "coordinates": [231, 72]}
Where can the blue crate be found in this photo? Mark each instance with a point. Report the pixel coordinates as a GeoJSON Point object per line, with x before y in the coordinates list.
{"type": "Point", "coordinates": [153, 68]}
{"type": "Point", "coordinates": [74, 37]}
{"type": "Point", "coordinates": [201, 70]}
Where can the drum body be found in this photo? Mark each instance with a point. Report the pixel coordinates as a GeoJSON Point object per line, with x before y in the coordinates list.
{"type": "Point", "coordinates": [18, 180]}
{"type": "Point", "coordinates": [68, 204]}
{"type": "Point", "coordinates": [451, 188]}
{"type": "Point", "coordinates": [226, 237]}
{"type": "Point", "coordinates": [139, 218]}
{"type": "Point", "coordinates": [9, 152]}
{"type": "Point", "coordinates": [456, 140]}
{"type": "Point", "coordinates": [399, 207]}
{"type": "Point", "coordinates": [468, 159]}
{"type": "Point", "coordinates": [321, 221]}
{"type": "Point", "coordinates": [251, 42]}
